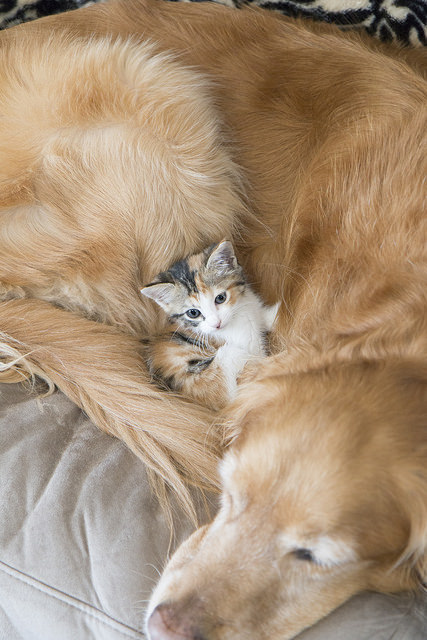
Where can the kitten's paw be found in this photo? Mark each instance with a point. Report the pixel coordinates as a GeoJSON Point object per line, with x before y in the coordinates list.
{"type": "Point", "coordinates": [179, 363]}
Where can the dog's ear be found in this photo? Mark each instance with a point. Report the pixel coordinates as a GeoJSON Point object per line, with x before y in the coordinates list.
{"type": "Point", "coordinates": [421, 570]}
{"type": "Point", "coordinates": [389, 578]}
{"type": "Point", "coordinates": [411, 567]}
{"type": "Point", "coordinates": [417, 548]}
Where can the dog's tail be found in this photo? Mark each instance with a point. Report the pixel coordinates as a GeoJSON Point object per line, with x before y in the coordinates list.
{"type": "Point", "coordinates": [101, 370]}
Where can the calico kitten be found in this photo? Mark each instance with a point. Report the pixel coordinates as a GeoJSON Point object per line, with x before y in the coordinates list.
{"type": "Point", "coordinates": [211, 307]}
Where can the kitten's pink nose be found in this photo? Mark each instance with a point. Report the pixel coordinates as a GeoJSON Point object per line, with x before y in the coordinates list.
{"type": "Point", "coordinates": [215, 324]}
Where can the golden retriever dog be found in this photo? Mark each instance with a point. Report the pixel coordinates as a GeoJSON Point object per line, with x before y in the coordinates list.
{"type": "Point", "coordinates": [136, 132]}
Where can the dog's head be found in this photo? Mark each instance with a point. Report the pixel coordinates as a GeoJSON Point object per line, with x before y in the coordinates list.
{"type": "Point", "coordinates": [324, 495]}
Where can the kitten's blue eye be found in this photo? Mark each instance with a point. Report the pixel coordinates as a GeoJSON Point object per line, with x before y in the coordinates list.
{"type": "Point", "coordinates": [193, 313]}
{"type": "Point", "coordinates": [221, 297]}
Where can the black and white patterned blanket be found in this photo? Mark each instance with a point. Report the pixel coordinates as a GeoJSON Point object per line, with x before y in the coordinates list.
{"type": "Point", "coordinates": [400, 20]}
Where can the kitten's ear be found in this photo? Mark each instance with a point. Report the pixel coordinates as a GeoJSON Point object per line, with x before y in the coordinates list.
{"type": "Point", "coordinates": [161, 292]}
{"type": "Point", "coordinates": [222, 258]}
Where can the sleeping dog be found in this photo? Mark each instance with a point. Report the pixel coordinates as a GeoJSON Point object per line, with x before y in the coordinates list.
{"type": "Point", "coordinates": [136, 132]}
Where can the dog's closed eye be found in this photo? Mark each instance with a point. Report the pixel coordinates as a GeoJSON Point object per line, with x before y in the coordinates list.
{"type": "Point", "coordinates": [304, 554]}
{"type": "Point", "coordinates": [323, 552]}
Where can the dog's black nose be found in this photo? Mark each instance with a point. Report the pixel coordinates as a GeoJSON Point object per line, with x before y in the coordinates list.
{"type": "Point", "coordinates": [166, 623]}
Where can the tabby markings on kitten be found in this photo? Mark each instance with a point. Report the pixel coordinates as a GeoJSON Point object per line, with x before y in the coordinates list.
{"type": "Point", "coordinates": [207, 298]}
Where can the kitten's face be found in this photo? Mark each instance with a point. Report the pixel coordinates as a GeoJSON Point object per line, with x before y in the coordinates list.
{"type": "Point", "coordinates": [202, 291]}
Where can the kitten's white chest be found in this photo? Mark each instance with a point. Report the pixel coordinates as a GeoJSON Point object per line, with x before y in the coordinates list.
{"type": "Point", "coordinates": [246, 334]}
{"type": "Point", "coordinates": [251, 321]}
{"type": "Point", "coordinates": [244, 338]}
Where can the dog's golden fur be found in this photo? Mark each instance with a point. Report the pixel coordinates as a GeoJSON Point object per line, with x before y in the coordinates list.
{"type": "Point", "coordinates": [308, 147]}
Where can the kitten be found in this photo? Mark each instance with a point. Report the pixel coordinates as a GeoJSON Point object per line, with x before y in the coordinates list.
{"type": "Point", "coordinates": [211, 306]}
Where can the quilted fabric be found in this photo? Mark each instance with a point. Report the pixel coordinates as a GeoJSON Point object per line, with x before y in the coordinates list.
{"type": "Point", "coordinates": [400, 20]}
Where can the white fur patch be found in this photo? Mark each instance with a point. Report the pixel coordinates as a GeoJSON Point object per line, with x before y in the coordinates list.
{"type": "Point", "coordinates": [329, 551]}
